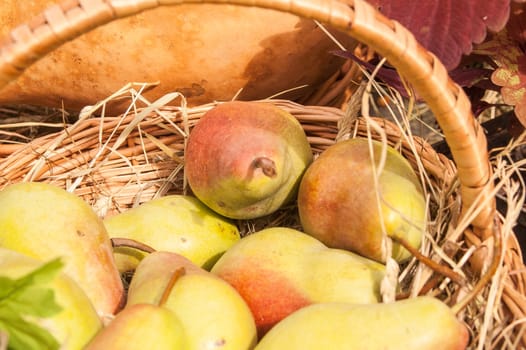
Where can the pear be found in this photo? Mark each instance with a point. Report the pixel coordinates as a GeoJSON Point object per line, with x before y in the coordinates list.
{"type": "Point", "coordinates": [139, 327]}
{"type": "Point", "coordinates": [279, 270]}
{"type": "Point", "coordinates": [76, 322]}
{"type": "Point", "coordinates": [175, 223]}
{"type": "Point", "coordinates": [44, 221]}
{"type": "Point", "coordinates": [411, 324]}
{"type": "Point", "coordinates": [245, 159]}
{"type": "Point", "coordinates": [211, 311]}
{"type": "Point", "coordinates": [341, 204]}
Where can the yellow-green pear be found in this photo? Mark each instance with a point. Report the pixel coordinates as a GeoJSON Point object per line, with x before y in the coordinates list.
{"type": "Point", "coordinates": [72, 325]}
{"type": "Point", "coordinates": [174, 223]}
{"type": "Point", "coordinates": [45, 222]}
{"type": "Point", "coordinates": [245, 159]}
{"type": "Point", "coordinates": [140, 327]}
{"type": "Point", "coordinates": [279, 270]}
{"type": "Point", "coordinates": [341, 203]}
{"type": "Point", "coordinates": [414, 324]}
{"type": "Point", "coordinates": [213, 314]}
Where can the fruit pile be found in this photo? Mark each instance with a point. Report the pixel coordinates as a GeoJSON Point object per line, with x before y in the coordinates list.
{"type": "Point", "coordinates": [194, 282]}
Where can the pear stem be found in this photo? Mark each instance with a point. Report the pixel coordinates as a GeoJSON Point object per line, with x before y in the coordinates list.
{"type": "Point", "coordinates": [266, 165]}
{"type": "Point", "coordinates": [178, 273]}
{"type": "Point", "coordinates": [433, 265]}
{"type": "Point", "coordinates": [427, 287]}
{"type": "Point", "coordinates": [131, 243]}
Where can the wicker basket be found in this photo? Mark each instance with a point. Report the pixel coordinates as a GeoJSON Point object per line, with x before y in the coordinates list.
{"type": "Point", "coordinates": [118, 162]}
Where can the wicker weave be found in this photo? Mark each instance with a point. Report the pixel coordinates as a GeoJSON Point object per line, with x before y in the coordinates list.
{"type": "Point", "coordinates": [62, 158]}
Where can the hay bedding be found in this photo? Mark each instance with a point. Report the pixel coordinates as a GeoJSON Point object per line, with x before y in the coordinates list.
{"type": "Point", "coordinates": [118, 162]}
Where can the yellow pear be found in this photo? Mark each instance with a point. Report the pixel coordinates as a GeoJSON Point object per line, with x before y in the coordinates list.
{"type": "Point", "coordinates": [176, 223]}
{"type": "Point", "coordinates": [45, 222]}
{"type": "Point", "coordinates": [212, 312]}
{"type": "Point", "coordinates": [413, 324]}
{"type": "Point", "coordinates": [140, 327]}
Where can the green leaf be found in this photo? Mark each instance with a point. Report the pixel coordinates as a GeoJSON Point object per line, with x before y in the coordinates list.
{"type": "Point", "coordinates": [23, 299]}
{"type": "Point", "coordinates": [36, 301]}
{"type": "Point", "coordinates": [27, 335]}
{"type": "Point", "coordinates": [42, 275]}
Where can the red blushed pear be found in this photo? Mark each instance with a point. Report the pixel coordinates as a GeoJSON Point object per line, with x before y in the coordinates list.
{"type": "Point", "coordinates": [267, 307]}
{"type": "Point", "coordinates": [279, 270]}
{"type": "Point", "coordinates": [245, 159]}
{"type": "Point", "coordinates": [45, 222]}
{"type": "Point", "coordinates": [342, 205]}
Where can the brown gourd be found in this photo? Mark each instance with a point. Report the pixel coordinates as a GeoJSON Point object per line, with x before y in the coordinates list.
{"type": "Point", "coordinates": [207, 52]}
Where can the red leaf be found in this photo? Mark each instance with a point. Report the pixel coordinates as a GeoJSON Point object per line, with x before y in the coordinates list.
{"type": "Point", "coordinates": [448, 28]}
{"type": "Point", "coordinates": [512, 78]}
{"type": "Point", "coordinates": [507, 49]}
{"type": "Point", "coordinates": [511, 71]}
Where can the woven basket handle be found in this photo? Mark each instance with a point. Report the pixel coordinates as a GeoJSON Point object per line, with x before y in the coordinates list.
{"type": "Point", "coordinates": [61, 23]}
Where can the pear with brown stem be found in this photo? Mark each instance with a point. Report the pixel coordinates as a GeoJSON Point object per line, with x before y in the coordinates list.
{"type": "Point", "coordinates": [212, 312]}
{"type": "Point", "coordinates": [349, 201]}
{"type": "Point", "coordinates": [143, 325]}
{"type": "Point", "coordinates": [245, 159]}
